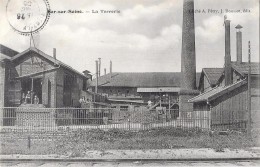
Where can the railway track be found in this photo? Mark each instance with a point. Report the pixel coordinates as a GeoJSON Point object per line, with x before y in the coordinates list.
{"type": "Point", "coordinates": [128, 162]}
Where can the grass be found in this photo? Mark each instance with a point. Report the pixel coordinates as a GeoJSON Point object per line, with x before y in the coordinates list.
{"type": "Point", "coordinates": [75, 143]}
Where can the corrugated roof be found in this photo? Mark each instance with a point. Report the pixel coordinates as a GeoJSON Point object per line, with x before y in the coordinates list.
{"type": "Point", "coordinates": [216, 92]}
{"type": "Point", "coordinates": [244, 66]}
{"type": "Point", "coordinates": [213, 74]}
{"type": "Point", "coordinates": [50, 58]}
{"type": "Point", "coordinates": [141, 79]}
{"type": "Point", "coordinates": [159, 89]}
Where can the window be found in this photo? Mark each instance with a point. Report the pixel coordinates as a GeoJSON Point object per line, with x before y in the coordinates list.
{"type": "Point", "coordinates": [123, 108]}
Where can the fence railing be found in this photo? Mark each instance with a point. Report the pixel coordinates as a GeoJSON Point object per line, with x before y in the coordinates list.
{"type": "Point", "coordinates": [51, 119]}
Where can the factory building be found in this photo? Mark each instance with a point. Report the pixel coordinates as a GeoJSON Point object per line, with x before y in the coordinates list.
{"type": "Point", "coordinates": [231, 94]}
{"type": "Point", "coordinates": [32, 78]}
{"type": "Point", "coordinates": [129, 91]}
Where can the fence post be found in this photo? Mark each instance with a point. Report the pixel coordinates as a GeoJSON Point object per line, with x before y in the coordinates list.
{"type": "Point", "coordinates": [194, 119]}
{"type": "Point", "coordinates": [29, 142]}
{"type": "Point", "coordinates": [128, 120]}
{"type": "Point", "coordinates": [1, 116]}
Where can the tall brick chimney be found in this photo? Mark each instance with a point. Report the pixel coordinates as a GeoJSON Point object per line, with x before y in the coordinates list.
{"type": "Point", "coordinates": [239, 43]}
{"type": "Point", "coordinates": [54, 53]}
{"type": "Point", "coordinates": [228, 76]}
{"type": "Point", "coordinates": [188, 60]}
{"type": "Point", "coordinates": [99, 66]}
{"type": "Point", "coordinates": [110, 69]}
{"type": "Point", "coordinates": [188, 55]}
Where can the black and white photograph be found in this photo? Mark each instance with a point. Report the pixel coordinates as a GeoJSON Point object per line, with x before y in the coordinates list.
{"type": "Point", "coordinates": [129, 83]}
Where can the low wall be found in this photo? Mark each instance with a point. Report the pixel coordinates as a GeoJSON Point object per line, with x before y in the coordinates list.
{"type": "Point", "coordinates": [35, 118]}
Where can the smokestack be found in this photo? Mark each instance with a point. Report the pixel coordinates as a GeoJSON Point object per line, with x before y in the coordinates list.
{"type": "Point", "coordinates": [239, 43]}
{"type": "Point", "coordinates": [110, 69]}
{"type": "Point", "coordinates": [99, 66]}
{"type": "Point", "coordinates": [96, 87]}
{"type": "Point", "coordinates": [54, 53]}
{"type": "Point", "coordinates": [105, 71]}
{"type": "Point", "coordinates": [228, 79]}
{"type": "Point", "coordinates": [188, 55]}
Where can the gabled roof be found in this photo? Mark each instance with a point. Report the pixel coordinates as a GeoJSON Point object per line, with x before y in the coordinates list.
{"type": "Point", "coordinates": [50, 58]}
{"type": "Point", "coordinates": [212, 74]}
{"type": "Point", "coordinates": [216, 92]}
{"type": "Point", "coordinates": [243, 67]}
{"type": "Point", "coordinates": [7, 51]}
{"type": "Point", "coordinates": [141, 79]}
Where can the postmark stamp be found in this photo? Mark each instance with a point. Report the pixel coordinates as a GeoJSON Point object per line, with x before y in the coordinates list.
{"type": "Point", "coordinates": [27, 16]}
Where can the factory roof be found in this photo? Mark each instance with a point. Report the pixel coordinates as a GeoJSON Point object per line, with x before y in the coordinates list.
{"type": "Point", "coordinates": [216, 92]}
{"type": "Point", "coordinates": [140, 79]}
{"type": "Point", "coordinates": [212, 74]}
{"type": "Point", "coordinates": [243, 67]}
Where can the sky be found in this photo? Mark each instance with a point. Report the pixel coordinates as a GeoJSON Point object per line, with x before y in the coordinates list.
{"type": "Point", "coordinates": [145, 36]}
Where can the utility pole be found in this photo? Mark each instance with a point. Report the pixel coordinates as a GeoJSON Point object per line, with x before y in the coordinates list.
{"type": "Point", "coordinates": [99, 66]}
{"type": "Point", "coordinates": [96, 87]}
{"type": "Point", "coordinates": [249, 91]}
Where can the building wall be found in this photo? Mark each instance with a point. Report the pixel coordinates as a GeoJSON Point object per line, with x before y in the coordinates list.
{"type": "Point", "coordinates": [118, 91]}
{"type": "Point", "coordinates": [230, 111]}
{"type": "Point", "coordinates": [185, 106]}
{"type": "Point", "coordinates": [255, 101]}
{"type": "Point", "coordinates": [74, 90]}
{"type": "Point", "coordinates": [13, 87]}
{"type": "Point", "coordinates": [2, 84]}
{"type": "Point", "coordinates": [49, 89]}
{"type": "Point", "coordinates": [60, 87]}
{"type": "Point", "coordinates": [2, 90]}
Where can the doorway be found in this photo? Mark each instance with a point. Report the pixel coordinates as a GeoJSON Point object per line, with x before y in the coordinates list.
{"type": "Point", "coordinates": [175, 111]}
{"type": "Point", "coordinates": [34, 85]}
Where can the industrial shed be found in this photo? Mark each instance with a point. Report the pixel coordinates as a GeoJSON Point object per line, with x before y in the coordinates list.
{"type": "Point", "coordinates": [227, 105]}
{"type": "Point", "coordinates": [53, 82]}
{"type": "Point", "coordinates": [127, 91]}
